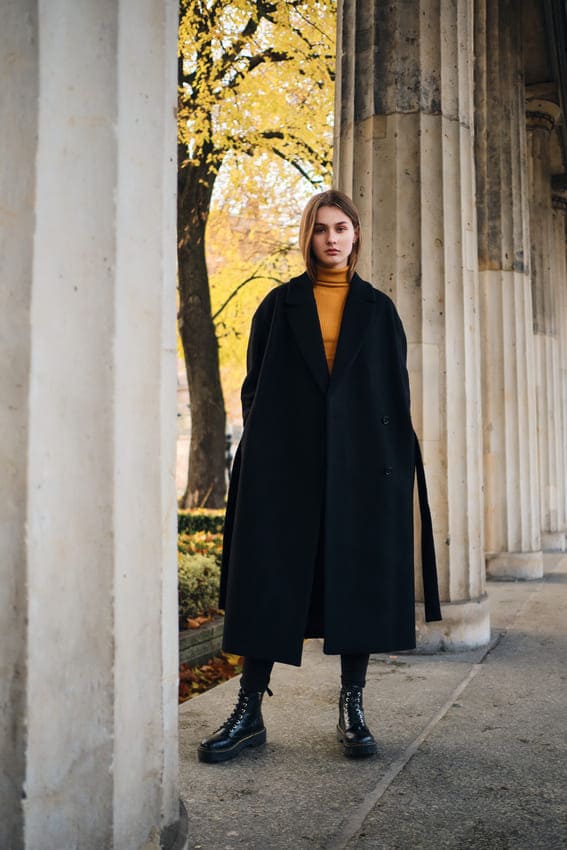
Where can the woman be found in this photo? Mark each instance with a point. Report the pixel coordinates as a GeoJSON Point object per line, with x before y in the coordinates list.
{"type": "Point", "coordinates": [319, 526]}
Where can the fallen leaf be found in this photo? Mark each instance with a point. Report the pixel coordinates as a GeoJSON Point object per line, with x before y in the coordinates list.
{"type": "Point", "coordinates": [195, 622]}
{"type": "Point", "coordinates": [197, 680]}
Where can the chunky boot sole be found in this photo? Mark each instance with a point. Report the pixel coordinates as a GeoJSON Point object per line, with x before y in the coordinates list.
{"type": "Point", "coordinates": [356, 751]}
{"type": "Point", "coordinates": [214, 756]}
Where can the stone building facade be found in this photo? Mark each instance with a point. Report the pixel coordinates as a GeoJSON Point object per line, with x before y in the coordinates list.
{"type": "Point", "coordinates": [451, 138]}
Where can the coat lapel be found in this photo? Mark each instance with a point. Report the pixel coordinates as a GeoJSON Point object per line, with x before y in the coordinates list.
{"type": "Point", "coordinates": [356, 318]}
{"type": "Point", "coordinates": [301, 311]}
{"type": "Point", "coordinates": [302, 314]}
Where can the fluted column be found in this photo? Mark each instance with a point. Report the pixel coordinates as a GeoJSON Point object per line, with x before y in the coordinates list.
{"type": "Point", "coordinates": [18, 132]}
{"type": "Point", "coordinates": [88, 607]}
{"type": "Point", "coordinates": [559, 282]}
{"type": "Point", "coordinates": [404, 150]}
{"type": "Point", "coordinates": [542, 113]}
{"type": "Point", "coordinates": [511, 483]}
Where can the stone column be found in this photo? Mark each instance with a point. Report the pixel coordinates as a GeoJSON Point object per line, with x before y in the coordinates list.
{"type": "Point", "coordinates": [542, 113]}
{"type": "Point", "coordinates": [511, 484]}
{"type": "Point", "coordinates": [559, 281]}
{"type": "Point", "coordinates": [88, 752]}
{"type": "Point", "coordinates": [404, 143]}
{"type": "Point", "coordinates": [18, 131]}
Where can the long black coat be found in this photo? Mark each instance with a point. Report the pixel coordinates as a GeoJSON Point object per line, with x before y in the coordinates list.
{"type": "Point", "coordinates": [325, 468]}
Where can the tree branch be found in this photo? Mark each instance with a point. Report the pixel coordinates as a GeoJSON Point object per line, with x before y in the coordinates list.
{"type": "Point", "coordinates": [254, 276]}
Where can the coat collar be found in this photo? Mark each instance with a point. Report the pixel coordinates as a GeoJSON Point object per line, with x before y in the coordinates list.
{"type": "Point", "coordinates": [302, 314]}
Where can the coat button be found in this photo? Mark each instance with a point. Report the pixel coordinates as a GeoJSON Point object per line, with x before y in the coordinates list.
{"type": "Point", "coordinates": [385, 420]}
{"type": "Point", "coordinates": [387, 471]}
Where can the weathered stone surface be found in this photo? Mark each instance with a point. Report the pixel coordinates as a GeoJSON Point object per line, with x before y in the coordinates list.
{"type": "Point", "coordinates": [511, 566]}
{"type": "Point", "coordinates": [18, 134]}
{"type": "Point", "coordinates": [547, 229]}
{"type": "Point", "coordinates": [88, 747]}
{"type": "Point", "coordinates": [198, 645]}
{"type": "Point", "coordinates": [511, 486]}
{"type": "Point", "coordinates": [541, 116]}
{"type": "Point", "coordinates": [559, 283]}
{"type": "Point", "coordinates": [405, 153]}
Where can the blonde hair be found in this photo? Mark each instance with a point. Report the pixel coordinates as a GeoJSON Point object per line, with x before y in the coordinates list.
{"type": "Point", "coordinates": [330, 198]}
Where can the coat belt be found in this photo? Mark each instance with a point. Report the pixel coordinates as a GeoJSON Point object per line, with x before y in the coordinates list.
{"type": "Point", "coordinates": [428, 561]}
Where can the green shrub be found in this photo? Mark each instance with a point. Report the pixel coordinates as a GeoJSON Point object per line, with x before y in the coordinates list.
{"type": "Point", "coordinates": [201, 543]}
{"type": "Point", "coordinates": [204, 520]}
{"type": "Point", "coordinates": [199, 582]}
{"type": "Point", "coordinates": [200, 519]}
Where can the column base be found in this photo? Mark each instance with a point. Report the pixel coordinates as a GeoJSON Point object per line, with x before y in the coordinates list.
{"type": "Point", "coordinates": [515, 566]}
{"type": "Point", "coordinates": [176, 835]}
{"type": "Point", "coordinates": [465, 625]}
{"type": "Point", "coordinates": [553, 541]}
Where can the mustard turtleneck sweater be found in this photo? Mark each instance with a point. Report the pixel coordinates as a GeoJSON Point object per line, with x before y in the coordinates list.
{"type": "Point", "coordinates": [330, 290]}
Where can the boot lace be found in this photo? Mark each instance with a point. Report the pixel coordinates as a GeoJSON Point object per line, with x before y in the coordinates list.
{"type": "Point", "coordinates": [238, 711]}
{"type": "Point", "coordinates": [353, 708]}
{"type": "Point", "coordinates": [237, 714]}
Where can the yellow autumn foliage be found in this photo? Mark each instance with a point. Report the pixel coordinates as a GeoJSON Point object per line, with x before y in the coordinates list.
{"type": "Point", "coordinates": [258, 77]}
{"type": "Point", "coordinates": [256, 107]}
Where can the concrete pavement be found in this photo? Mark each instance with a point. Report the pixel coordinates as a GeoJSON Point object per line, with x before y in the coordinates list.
{"type": "Point", "coordinates": [472, 746]}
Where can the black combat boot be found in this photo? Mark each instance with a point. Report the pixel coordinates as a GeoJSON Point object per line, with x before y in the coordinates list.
{"type": "Point", "coordinates": [352, 731]}
{"type": "Point", "coordinates": [244, 728]}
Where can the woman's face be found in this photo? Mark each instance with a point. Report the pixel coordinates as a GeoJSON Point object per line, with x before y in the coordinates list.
{"type": "Point", "coordinates": [333, 238]}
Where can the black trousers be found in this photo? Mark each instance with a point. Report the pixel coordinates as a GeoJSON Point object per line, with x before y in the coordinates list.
{"type": "Point", "coordinates": [257, 671]}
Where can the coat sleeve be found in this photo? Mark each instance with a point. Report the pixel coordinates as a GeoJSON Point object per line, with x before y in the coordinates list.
{"type": "Point", "coordinates": [402, 352]}
{"type": "Point", "coordinates": [259, 333]}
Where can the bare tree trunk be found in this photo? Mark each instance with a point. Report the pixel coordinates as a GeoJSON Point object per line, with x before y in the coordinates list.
{"type": "Point", "coordinates": [206, 483]}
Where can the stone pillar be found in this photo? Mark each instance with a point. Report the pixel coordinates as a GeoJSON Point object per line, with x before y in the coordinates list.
{"type": "Point", "coordinates": [404, 151]}
{"type": "Point", "coordinates": [542, 113]}
{"type": "Point", "coordinates": [18, 131]}
{"type": "Point", "coordinates": [88, 752]}
{"type": "Point", "coordinates": [559, 282]}
{"type": "Point", "coordinates": [511, 484]}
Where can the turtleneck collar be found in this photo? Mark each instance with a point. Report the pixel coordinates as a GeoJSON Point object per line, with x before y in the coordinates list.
{"type": "Point", "coordinates": [336, 277]}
